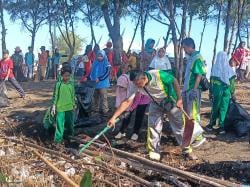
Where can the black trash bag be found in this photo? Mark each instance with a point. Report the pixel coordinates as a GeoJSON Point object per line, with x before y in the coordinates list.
{"type": "Point", "coordinates": [237, 119]}
{"type": "Point", "coordinates": [84, 96]}
{"type": "Point", "coordinates": [4, 102]}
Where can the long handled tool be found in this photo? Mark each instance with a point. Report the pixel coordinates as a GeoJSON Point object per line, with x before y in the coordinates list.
{"type": "Point", "coordinates": [102, 132]}
{"type": "Point", "coordinates": [188, 129]}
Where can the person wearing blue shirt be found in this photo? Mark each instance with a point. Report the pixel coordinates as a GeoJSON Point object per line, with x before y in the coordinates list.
{"type": "Point", "coordinates": [100, 74]}
{"type": "Point", "coordinates": [56, 58]}
{"type": "Point", "coordinates": [29, 61]}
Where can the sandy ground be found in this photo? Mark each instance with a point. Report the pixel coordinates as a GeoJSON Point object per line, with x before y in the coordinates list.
{"type": "Point", "coordinates": [224, 156]}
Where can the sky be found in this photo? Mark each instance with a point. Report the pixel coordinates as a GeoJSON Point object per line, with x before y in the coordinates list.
{"type": "Point", "coordinates": [18, 36]}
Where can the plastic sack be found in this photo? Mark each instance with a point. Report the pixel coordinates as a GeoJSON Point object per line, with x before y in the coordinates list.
{"type": "Point", "coordinates": [4, 102]}
{"type": "Point", "coordinates": [237, 119]}
{"type": "Point", "coordinates": [49, 121]}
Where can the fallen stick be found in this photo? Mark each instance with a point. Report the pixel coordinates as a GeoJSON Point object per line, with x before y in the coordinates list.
{"type": "Point", "coordinates": [195, 178]}
{"type": "Point", "coordinates": [93, 153]}
{"type": "Point", "coordinates": [56, 170]}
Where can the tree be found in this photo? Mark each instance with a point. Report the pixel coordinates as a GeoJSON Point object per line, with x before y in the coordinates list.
{"type": "Point", "coordinates": [65, 19]}
{"type": "Point", "coordinates": [92, 15]}
{"type": "Point", "coordinates": [51, 13]}
{"type": "Point", "coordinates": [219, 4]}
{"type": "Point", "coordinates": [3, 26]}
{"type": "Point", "coordinates": [64, 46]}
{"type": "Point", "coordinates": [31, 13]}
{"type": "Point", "coordinates": [113, 10]}
{"type": "Point", "coordinates": [227, 24]}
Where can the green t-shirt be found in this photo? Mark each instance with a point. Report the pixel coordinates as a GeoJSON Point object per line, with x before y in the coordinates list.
{"type": "Point", "coordinates": [64, 96]}
{"type": "Point", "coordinates": [160, 86]}
{"type": "Point", "coordinates": [195, 66]}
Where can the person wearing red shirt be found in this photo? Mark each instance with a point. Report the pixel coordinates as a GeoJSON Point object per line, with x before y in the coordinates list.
{"type": "Point", "coordinates": [6, 73]}
{"type": "Point", "coordinates": [240, 58]}
{"type": "Point", "coordinates": [87, 58]}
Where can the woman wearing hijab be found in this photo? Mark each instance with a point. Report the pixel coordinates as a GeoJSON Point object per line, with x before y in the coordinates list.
{"type": "Point", "coordinates": [147, 55]}
{"type": "Point", "coordinates": [160, 61]}
{"type": "Point", "coordinates": [100, 74]}
{"type": "Point", "coordinates": [221, 89]}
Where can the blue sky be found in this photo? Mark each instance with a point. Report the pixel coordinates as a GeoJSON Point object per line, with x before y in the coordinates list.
{"type": "Point", "coordinates": [18, 36]}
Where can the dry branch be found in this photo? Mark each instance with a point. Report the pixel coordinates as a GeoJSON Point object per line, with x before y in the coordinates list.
{"type": "Point", "coordinates": [56, 170]}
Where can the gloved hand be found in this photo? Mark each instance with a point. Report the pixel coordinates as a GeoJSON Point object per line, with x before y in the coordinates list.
{"type": "Point", "coordinates": [193, 94]}
{"type": "Point", "coordinates": [53, 110]}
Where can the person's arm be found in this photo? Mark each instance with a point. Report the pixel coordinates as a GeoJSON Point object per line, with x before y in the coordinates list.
{"type": "Point", "coordinates": [232, 85]}
{"type": "Point", "coordinates": [123, 107]}
{"type": "Point", "coordinates": [199, 70]}
{"type": "Point", "coordinates": [197, 82]}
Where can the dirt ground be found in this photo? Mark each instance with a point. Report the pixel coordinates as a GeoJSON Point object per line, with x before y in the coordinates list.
{"type": "Point", "coordinates": [225, 157]}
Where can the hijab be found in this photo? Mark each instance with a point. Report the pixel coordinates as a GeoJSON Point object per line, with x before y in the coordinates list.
{"type": "Point", "coordinates": [222, 69]}
{"type": "Point", "coordinates": [148, 47]}
{"type": "Point", "coordinates": [160, 63]}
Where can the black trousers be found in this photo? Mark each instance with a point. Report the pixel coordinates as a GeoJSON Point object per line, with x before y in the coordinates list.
{"type": "Point", "coordinates": [140, 112]}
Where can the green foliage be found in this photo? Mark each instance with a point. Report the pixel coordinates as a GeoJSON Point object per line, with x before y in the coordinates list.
{"type": "Point", "coordinates": [63, 46]}
{"type": "Point", "coordinates": [3, 178]}
{"type": "Point", "coordinates": [87, 179]}
{"type": "Point", "coordinates": [31, 13]}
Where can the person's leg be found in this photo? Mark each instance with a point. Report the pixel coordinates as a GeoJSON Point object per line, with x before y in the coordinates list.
{"type": "Point", "coordinates": [216, 102]}
{"type": "Point", "coordinates": [225, 99]}
{"type": "Point", "coordinates": [154, 128]}
{"type": "Point", "coordinates": [192, 107]}
{"type": "Point", "coordinates": [17, 86]}
{"type": "Point", "coordinates": [176, 121]}
{"type": "Point", "coordinates": [126, 122]}
{"type": "Point", "coordinates": [104, 100]}
{"type": "Point", "coordinates": [139, 115]}
{"type": "Point", "coordinates": [69, 122]}
{"type": "Point", "coordinates": [60, 120]}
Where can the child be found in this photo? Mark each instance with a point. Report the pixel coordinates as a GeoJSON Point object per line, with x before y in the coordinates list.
{"type": "Point", "coordinates": [6, 73]}
{"type": "Point", "coordinates": [100, 74]}
{"type": "Point", "coordinates": [64, 104]}
{"type": "Point", "coordinates": [139, 105]}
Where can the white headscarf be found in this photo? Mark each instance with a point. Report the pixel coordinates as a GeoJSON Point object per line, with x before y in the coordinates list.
{"type": "Point", "coordinates": [222, 69]}
{"type": "Point", "coordinates": [160, 63]}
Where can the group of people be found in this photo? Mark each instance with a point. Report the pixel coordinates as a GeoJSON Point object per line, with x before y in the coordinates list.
{"type": "Point", "coordinates": [143, 80]}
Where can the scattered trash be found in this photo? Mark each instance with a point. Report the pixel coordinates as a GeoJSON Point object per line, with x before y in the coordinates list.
{"type": "Point", "coordinates": [2, 153]}
{"type": "Point", "coordinates": [70, 172]}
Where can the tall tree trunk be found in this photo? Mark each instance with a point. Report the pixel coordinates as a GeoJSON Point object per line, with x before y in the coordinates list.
{"type": "Point", "coordinates": [144, 15]}
{"type": "Point", "coordinates": [182, 36]}
{"type": "Point", "coordinates": [166, 38]}
{"type": "Point", "coordinates": [227, 25]}
{"type": "Point", "coordinates": [240, 12]}
{"type": "Point", "coordinates": [202, 32]}
{"type": "Point", "coordinates": [93, 39]}
{"type": "Point", "coordinates": [33, 36]}
{"type": "Point", "coordinates": [51, 37]}
{"type": "Point", "coordinates": [114, 30]}
{"type": "Point", "coordinates": [217, 32]}
{"type": "Point", "coordinates": [174, 36]}
{"type": "Point", "coordinates": [3, 26]}
{"type": "Point", "coordinates": [190, 25]}
{"type": "Point", "coordinates": [231, 36]}
{"type": "Point", "coordinates": [135, 30]}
